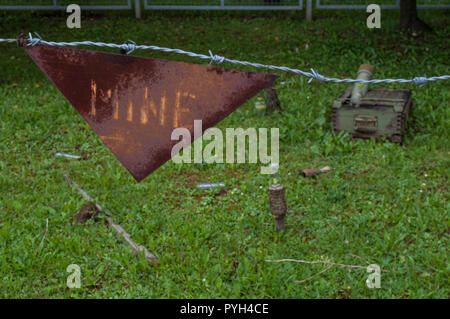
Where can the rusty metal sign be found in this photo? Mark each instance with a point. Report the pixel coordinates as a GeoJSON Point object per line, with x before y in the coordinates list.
{"type": "Point", "coordinates": [133, 103]}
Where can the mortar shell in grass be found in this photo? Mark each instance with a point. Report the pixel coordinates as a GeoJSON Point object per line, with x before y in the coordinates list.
{"type": "Point", "coordinates": [278, 206]}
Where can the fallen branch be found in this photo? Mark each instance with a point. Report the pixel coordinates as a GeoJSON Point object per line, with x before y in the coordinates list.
{"type": "Point", "coordinates": [363, 259]}
{"type": "Point", "coordinates": [43, 237]}
{"type": "Point", "coordinates": [120, 231]}
{"type": "Point", "coordinates": [309, 278]}
{"type": "Point", "coordinates": [319, 262]}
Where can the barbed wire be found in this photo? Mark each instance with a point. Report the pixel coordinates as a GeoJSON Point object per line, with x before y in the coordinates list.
{"type": "Point", "coordinates": [8, 40]}
{"type": "Point", "coordinates": [129, 46]}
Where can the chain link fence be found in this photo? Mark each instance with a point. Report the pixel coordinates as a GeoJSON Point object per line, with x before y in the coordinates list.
{"type": "Point", "coordinates": [62, 4]}
{"type": "Point", "coordinates": [385, 4]}
{"type": "Point", "coordinates": [223, 4]}
{"type": "Point", "coordinates": [213, 4]}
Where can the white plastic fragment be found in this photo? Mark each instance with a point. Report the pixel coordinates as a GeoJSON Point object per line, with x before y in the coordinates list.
{"type": "Point", "coordinates": [67, 155]}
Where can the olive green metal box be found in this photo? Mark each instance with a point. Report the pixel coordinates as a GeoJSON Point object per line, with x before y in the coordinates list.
{"type": "Point", "coordinates": [382, 112]}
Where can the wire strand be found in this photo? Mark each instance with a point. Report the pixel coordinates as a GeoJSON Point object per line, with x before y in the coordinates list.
{"type": "Point", "coordinates": [130, 46]}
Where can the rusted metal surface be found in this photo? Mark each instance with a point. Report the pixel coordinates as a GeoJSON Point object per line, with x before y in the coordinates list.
{"type": "Point", "coordinates": [311, 172]}
{"type": "Point", "coordinates": [314, 172]}
{"type": "Point", "coordinates": [278, 206]}
{"type": "Point", "coordinates": [133, 104]}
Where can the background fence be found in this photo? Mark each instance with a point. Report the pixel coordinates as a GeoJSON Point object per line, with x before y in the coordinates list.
{"type": "Point", "coordinates": [223, 4]}
{"type": "Point", "coordinates": [62, 4]}
{"type": "Point", "coordinates": [212, 4]}
{"type": "Point", "coordinates": [385, 4]}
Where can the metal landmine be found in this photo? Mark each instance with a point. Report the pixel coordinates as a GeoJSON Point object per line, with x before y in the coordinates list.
{"type": "Point", "coordinates": [277, 201]}
{"type": "Point", "coordinates": [273, 102]}
{"type": "Point", "coordinates": [210, 185]}
{"type": "Point", "coordinates": [372, 112]}
{"type": "Point", "coordinates": [268, 102]}
{"type": "Point", "coordinates": [278, 207]}
{"type": "Point", "coordinates": [314, 172]}
{"type": "Point", "coordinates": [134, 104]}
{"type": "Point", "coordinates": [260, 105]}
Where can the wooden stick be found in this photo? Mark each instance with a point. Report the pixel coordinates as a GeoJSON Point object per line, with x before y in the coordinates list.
{"type": "Point", "coordinates": [309, 278]}
{"type": "Point", "coordinates": [120, 231]}
{"type": "Point", "coordinates": [319, 262]}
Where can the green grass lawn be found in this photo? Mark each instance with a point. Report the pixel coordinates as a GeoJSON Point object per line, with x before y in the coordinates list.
{"type": "Point", "coordinates": [384, 203]}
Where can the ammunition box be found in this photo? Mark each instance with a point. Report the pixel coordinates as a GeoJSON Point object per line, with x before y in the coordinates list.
{"type": "Point", "coordinates": [382, 112]}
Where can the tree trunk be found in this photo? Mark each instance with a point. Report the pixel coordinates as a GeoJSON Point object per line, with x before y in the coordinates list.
{"type": "Point", "coordinates": [408, 17]}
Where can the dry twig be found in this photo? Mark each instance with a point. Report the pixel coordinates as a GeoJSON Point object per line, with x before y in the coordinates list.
{"type": "Point", "coordinates": [120, 231]}
{"type": "Point", "coordinates": [43, 237]}
{"type": "Point", "coordinates": [329, 263]}
{"type": "Point", "coordinates": [309, 278]}
{"type": "Point", "coordinates": [319, 262]}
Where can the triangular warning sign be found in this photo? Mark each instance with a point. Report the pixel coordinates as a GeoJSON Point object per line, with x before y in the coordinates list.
{"type": "Point", "coordinates": [134, 103]}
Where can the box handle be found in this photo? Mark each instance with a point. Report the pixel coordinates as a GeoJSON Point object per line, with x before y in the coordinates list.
{"type": "Point", "coordinates": [366, 124]}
